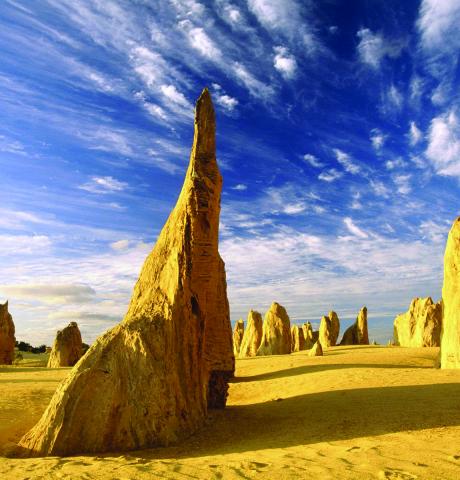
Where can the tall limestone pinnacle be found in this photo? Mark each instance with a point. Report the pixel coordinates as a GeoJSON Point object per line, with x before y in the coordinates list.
{"type": "Point", "coordinates": [450, 333]}
{"type": "Point", "coordinates": [150, 380]}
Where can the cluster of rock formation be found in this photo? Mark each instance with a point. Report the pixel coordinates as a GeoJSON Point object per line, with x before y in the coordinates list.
{"type": "Point", "coordinates": [7, 338]}
{"type": "Point", "coordinates": [357, 334]}
{"type": "Point", "coordinates": [329, 329]}
{"type": "Point", "coordinates": [450, 335]}
{"type": "Point", "coordinates": [150, 380]}
{"type": "Point", "coordinates": [238, 333]}
{"type": "Point", "coordinates": [67, 348]}
{"type": "Point", "coordinates": [420, 326]}
{"type": "Point", "coordinates": [297, 339]}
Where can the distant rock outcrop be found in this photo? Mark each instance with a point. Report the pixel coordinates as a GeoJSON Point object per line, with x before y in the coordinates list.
{"type": "Point", "coordinates": [450, 334]}
{"type": "Point", "coordinates": [308, 335]}
{"type": "Point", "coordinates": [276, 332]}
{"type": "Point", "coordinates": [238, 333]}
{"type": "Point", "coordinates": [7, 339]}
{"type": "Point", "coordinates": [297, 339]}
{"type": "Point", "coordinates": [67, 348]}
{"type": "Point", "coordinates": [316, 350]}
{"type": "Point", "coordinates": [329, 329]}
{"type": "Point", "coordinates": [357, 334]}
{"type": "Point", "coordinates": [252, 335]}
{"type": "Point", "coordinates": [420, 326]}
{"type": "Point", "coordinates": [149, 380]}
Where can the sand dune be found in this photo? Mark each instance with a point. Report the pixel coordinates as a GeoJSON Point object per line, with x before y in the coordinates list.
{"type": "Point", "coordinates": [357, 412]}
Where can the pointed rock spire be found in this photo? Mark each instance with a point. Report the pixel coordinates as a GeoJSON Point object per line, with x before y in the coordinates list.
{"type": "Point", "coordinates": [149, 380]}
{"type": "Point", "coordinates": [450, 334]}
{"type": "Point", "coordinates": [7, 339]}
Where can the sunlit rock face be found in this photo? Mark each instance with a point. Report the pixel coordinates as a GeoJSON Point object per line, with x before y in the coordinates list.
{"type": "Point", "coordinates": [252, 335]}
{"type": "Point", "coordinates": [329, 329]}
{"type": "Point", "coordinates": [308, 335]}
{"type": "Point", "coordinates": [276, 332]}
{"type": "Point", "coordinates": [297, 339]}
{"type": "Point", "coordinates": [7, 339]}
{"type": "Point", "coordinates": [316, 350]}
{"type": "Point", "coordinates": [450, 334]}
{"type": "Point", "coordinates": [238, 333]}
{"type": "Point", "coordinates": [150, 380]}
{"type": "Point", "coordinates": [67, 348]}
{"type": "Point", "coordinates": [420, 326]}
{"type": "Point", "coordinates": [357, 334]}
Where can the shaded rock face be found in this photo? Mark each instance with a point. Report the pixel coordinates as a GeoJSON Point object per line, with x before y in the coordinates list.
{"type": "Point", "coordinates": [276, 332]}
{"type": "Point", "coordinates": [316, 350]}
{"type": "Point", "coordinates": [67, 348]}
{"type": "Point", "coordinates": [297, 339]}
{"type": "Point", "coordinates": [357, 334]}
{"type": "Point", "coordinates": [238, 333]}
{"type": "Point", "coordinates": [7, 339]}
{"type": "Point", "coordinates": [420, 326]}
{"type": "Point", "coordinates": [329, 330]}
{"type": "Point", "coordinates": [308, 335]}
{"type": "Point", "coordinates": [252, 335]}
{"type": "Point", "coordinates": [450, 334]}
{"type": "Point", "coordinates": [149, 380]}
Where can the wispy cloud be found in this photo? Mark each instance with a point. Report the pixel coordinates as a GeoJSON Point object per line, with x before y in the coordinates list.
{"type": "Point", "coordinates": [284, 62]}
{"type": "Point", "coordinates": [346, 161]}
{"type": "Point", "coordinates": [104, 185]}
{"type": "Point", "coordinates": [330, 175]}
{"type": "Point", "coordinates": [373, 48]}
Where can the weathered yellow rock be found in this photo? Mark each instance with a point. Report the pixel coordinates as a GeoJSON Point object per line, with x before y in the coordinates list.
{"type": "Point", "coordinates": [316, 350]}
{"type": "Point", "coordinates": [252, 335]}
{"type": "Point", "coordinates": [308, 335]}
{"type": "Point", "coordinates": [450, 334]}
{"type": "Point", "coordinates": [238, 333]}
{"type": "Point", "coordinates": [329, 329]}
{"type": "Point", "coordinates": [357, 334]}
{"type": "Point", "coordinates": [149, 380]}
{"type": "Point", "coordinates": [7, 339]}
{"type": "Point", "coordinates": [420, 326]}
{"type": "Point", "coordinates": [276, 332]}
{"type": "Point", "coordinates": [297, 339]}
{"type": "Point", "coordinates": [67, 348]}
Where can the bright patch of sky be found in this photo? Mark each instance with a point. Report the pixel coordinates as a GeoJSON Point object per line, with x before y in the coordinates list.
{"type": "Point", "coordinates": [338, 140]}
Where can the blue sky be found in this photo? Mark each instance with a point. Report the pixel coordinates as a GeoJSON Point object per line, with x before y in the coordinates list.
{"type": "Point", "coordinates": [338, 140]}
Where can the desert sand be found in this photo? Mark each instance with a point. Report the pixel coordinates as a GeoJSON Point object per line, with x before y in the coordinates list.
{"type": "Point", "coordinates": [357, 412]}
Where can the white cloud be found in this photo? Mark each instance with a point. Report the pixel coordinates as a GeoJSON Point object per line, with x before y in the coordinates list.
{"type": "Point", "coordinates": [225, 101]}
{"type": "Point", "coordinates": [444, 144]}
{"type": "Point", "coordinates": [171, 92]}
{"type": "Point", "coordinates": [50, 294]}
{"type": "Point", "coordinates": [353, 229]}
{"type": "Point", "coordinates": [274, 14]}
{"type": "Point", "coordinates": [312, 160]}
{"type": "Point", "coordinates": [240, 187]}
{"type": "Point", "coordinates": [155, 111]}
{"type": "Point", "coordinates": [330, 175]}
{"type": "Point", "coordinates": [294, 208]}
{"type": "Point", "coordinates": [104, 185]}
{"type": "Point", "coordinates": [285, 63]}
{"type": "Point", "coordinates": [438, 24]}
{"type": "Point", "coordinates": [377, 138]}
{"type": "Point", "coordinates": [256, 87]}
{"type": "Point", "coordinates": [415, 135]}
{"type": "Point", "coordinates": [373, 47]}
{"type": "Point", "coordinates": [24, 244]}
{"type": "Point", "coordinates": [379, 188]}
{"type": "Point", "coordinates": [402, 183]}
{"type": "Point", "coordinates": [200, 41]}
{"type": "Point", "coordinates": [394, 98]}
{"type": "Point", "coordinates": [347, 163]}
{"type": "Point", "coordinates": [395, 163]}
{"type": "Point", "coordinates": [120, 245]}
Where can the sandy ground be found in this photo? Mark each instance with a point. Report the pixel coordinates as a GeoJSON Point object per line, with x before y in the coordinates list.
{"type": "Point", "coordinates": [356, 413]}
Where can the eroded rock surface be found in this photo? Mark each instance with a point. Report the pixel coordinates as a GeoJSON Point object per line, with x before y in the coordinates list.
{"type": "Point", "coordinates": [357, 334]}
{"type": "Point", "coordinates": [420, 326]}
{"type": "Point", "coordinates": [150, 380]}
{"type": "Point", "coordinates": [329, 329]}
{"type": "Point", "coordinates": [252, 335]}
{"type": "Point", "coordinates": [276, 332]}
{"type": "Point", "coordinates": [450, 334]}
{"type": "Point", "coordinates": [297, 339]}
{"type": "Point", "coordinates": [308, 335]}
{"type": "Point", "coordinates": [67, 348]}
{"type": "Point", "coordinates": [238, 333]}
{"type": "Point", "coordinates": [7, 338]}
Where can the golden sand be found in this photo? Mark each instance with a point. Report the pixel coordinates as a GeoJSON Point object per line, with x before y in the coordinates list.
{"type": "Point", "coordinates": [356, 413]}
